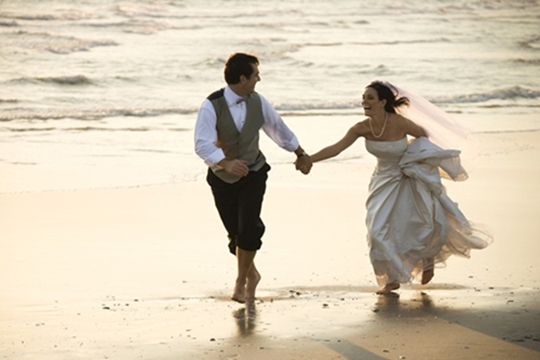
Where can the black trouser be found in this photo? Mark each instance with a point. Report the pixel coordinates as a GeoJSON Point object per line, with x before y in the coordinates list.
{"type": "Point", "coordinates": [239, 206]}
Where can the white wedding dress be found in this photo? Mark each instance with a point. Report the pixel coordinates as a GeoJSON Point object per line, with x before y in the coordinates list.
{"type": "Point", "coordinates": [410, 219]}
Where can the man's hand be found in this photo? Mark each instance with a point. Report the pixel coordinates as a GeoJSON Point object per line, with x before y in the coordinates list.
{"type": "Point", "coordinates": [235, 167]}
{"type": "Point", "coordinates": [304, 164]}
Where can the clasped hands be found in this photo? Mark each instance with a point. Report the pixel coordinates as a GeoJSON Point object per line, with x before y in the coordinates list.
{"type": "Point", "coordinates": [303, 164]}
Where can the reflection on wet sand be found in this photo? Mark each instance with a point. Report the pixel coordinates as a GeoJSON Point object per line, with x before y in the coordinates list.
{"type": "Point", "coordinates": [419, 304]}
{"type": "Point", "coordinates": [354, 323]}
{"type": "Point", "coordinates": [245, 319]}
{"type": "Point", "coordinates": [390, 301]}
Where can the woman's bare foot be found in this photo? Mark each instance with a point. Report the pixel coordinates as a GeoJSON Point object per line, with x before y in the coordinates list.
{"type": "Point", "coordinates": [427, 275]}
{"type": "Point", "coordinates": [252, 281]}
{"type": "Point", "coordinates": [428, 272]}
{"type": "Point", "coordinates": [388, 288]}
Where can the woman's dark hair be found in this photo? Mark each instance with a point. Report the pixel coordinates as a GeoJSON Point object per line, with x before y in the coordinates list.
{"type": "Point", "coordinates": [237, 65]}
{"type": "Point", "coordinates": [386, 92]}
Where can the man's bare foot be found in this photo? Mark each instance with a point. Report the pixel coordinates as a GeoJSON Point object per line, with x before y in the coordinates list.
{"type": "Point", "coordinates": [427, 275]}
{"type": "Point", "coordinates": [251, 285]}
{"type": "Point", "coordinates": [388, 288]}
{"type": "Point", "coordinates": [239, 294]}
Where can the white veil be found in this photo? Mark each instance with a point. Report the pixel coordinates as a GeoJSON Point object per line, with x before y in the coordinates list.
{"type": "Point", "coordinates": [442, 130]}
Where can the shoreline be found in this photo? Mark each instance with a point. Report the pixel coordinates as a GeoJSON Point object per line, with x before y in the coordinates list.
{"type": "Point", "coordinates": [143, 272]}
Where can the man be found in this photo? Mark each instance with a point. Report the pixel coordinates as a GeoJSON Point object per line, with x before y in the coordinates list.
{"type": "Point", "coordinates": [227, 139]}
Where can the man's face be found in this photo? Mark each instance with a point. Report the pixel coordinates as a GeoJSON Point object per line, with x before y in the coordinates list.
{"type": "Point", "coordinates": [249, 84]}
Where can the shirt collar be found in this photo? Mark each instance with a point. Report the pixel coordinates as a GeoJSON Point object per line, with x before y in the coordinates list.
{"type": "Point", "coordinates": [231, 97]}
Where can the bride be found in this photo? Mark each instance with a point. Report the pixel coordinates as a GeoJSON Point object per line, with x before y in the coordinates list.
{"type": "Point", "coordinates": [412, 224]}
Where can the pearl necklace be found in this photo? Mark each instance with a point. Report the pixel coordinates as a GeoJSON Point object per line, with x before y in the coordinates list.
{"type": "Point", "coordinates": [384, 126]}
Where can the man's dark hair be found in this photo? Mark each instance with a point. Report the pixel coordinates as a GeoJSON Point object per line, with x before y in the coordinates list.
{"type": "Point", "coordinates": [237, 65]}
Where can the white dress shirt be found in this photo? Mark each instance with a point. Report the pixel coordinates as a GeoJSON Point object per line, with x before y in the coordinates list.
{"type": "Point", "coordinates": [206, 134]}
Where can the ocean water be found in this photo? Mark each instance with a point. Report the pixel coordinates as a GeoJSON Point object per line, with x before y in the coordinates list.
{"type": "Point", "coordinates": [97, 93]}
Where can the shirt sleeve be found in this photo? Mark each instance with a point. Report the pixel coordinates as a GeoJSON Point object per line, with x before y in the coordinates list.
{"type": "Point", "coordinates": [276, 129]}
{"type": "Point", "coordinates": [206, 135]}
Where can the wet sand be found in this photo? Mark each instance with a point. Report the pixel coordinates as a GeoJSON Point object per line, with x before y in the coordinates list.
{"type": "Point", "coordinates": [143, 273]}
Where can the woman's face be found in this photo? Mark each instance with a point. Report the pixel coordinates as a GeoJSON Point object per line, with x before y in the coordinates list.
{"type": "Point", "coordinates": [371, 102]}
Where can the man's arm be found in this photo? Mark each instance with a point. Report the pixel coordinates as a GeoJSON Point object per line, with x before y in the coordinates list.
{"type": "Point", "coordinates": [276, 129]}
{"type": "Point", "coordinates": [279, 132]}
{"type": "Point", "coordinates": [205, 143]}
{"type": "Point", "coordinates": [206, 135]}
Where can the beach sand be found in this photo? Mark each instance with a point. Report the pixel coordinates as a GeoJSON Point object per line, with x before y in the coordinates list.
{"type": "Point", "coordinates": [144, 273]}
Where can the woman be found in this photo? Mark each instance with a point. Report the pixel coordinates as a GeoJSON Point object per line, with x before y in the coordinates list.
{"type": "Point", "coordinates": [412, 224]}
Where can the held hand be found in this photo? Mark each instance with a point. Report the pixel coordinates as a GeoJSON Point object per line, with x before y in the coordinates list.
{"type": "Point", "coordinates": [304, 164]}
{"type": "Point", "coordinates": [235, 167]}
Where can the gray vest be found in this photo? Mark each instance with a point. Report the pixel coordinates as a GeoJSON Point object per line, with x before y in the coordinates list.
{"type": "Point", "coordinates": [242, 145]}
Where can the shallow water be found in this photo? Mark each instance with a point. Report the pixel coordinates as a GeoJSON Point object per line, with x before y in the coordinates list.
{"type": "Point", "coordinates": [106, 92]}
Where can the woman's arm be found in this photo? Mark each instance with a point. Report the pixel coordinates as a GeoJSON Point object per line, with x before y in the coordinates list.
{"type": "Point", "coordinates": [413, 129]}
{"type": "Point", "coordinates": [333, 150]}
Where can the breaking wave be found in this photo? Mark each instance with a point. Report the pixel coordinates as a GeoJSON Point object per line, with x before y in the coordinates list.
{"type": "Point", "coordinates": [509, 93]}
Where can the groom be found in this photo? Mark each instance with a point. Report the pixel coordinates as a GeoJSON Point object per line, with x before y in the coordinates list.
{"type": "Point", "coordinates": [227, 139]}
